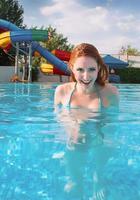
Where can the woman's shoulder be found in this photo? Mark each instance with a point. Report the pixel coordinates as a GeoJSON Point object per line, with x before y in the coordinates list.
{"type": "Point", "coordinates": [61, 92]}
{"type": "Point", "coordinates": [63, 89]}
{"type": "Point", "coordinates": [108, 89]}
{"type": "Point", "coordinates": [109, 94]}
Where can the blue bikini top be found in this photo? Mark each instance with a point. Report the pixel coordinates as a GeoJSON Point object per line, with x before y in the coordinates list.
{"type": "Point", "coordinates": [68, 104]}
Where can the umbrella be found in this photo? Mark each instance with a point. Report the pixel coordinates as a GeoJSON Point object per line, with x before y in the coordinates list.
{"type": "Point", "coordinates": [113, 62]}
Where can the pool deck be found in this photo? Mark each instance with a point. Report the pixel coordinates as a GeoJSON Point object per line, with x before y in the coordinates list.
{"type": "Point", "coordinates": [52, 78]}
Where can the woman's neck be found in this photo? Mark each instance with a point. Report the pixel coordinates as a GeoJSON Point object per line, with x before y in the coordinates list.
{"type": "Point", "coordinates": [86, 91]}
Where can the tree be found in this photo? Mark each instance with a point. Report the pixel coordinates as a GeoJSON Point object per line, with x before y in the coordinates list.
{"type": "Point", "coordinates": [55, 41]}
{"type": "Point", "coordinates": [130, 51]}
{"type": "Point", "coordinates": [10, 10]}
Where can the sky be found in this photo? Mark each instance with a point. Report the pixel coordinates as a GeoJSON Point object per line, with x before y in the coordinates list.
{"type": "Point", "coordinates": [107, 24]}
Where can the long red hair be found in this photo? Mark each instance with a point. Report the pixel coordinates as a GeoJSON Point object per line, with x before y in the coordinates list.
{"type": "Point", "coordinates": [86, 49]}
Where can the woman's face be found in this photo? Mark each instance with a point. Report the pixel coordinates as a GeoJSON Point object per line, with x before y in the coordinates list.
{"type": "Point", "coordinates": [85, 70]}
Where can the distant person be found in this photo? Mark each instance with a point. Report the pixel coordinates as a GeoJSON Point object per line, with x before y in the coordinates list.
{"type": "Point", "coordinates": [15, 78]}
{"type": "Point", "coordinates": [113, 77]}
{"type": "Point", "coordinates": [112, 71]}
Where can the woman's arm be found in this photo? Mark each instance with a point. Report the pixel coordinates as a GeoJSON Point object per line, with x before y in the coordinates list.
{"type": "Point", "coordinates": [110, 96]}
{"type": "Point", "coordinates": [113, 96]}
{"type": "Point", "coordinates": [58, 96]}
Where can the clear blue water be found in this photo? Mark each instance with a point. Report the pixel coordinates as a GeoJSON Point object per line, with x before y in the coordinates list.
{"type": "Point", "coordinates": [70, 155]}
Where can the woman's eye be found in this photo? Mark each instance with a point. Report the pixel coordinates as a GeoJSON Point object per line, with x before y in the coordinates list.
{"type": "Point", "coordinates": [92, 69]}
{"type": "Point", "coordinates": [80, 69]}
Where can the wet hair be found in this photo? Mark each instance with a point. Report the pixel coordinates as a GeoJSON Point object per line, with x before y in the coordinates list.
{"type": "Point", "coordinates": [89, 50]}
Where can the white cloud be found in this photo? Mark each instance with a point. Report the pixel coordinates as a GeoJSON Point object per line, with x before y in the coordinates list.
{"type": "Point", "coordinates": [57, 7]}
{"type": "Point", "coordinates": [106, 29]}
{"type": "Point", "coordinates": [74, 15]}
{"type": "Point", "coordinates": [76, 18]}
{"type": "Point", "coordinates": [127, 23]}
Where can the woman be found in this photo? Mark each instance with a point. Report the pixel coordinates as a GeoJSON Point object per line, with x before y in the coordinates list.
{"type": "Point", "coordinates": [89, 92]}
{"type": "Point", "coordinates": [89, 87]}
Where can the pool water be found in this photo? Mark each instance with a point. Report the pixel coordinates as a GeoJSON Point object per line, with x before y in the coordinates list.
{"type": "Point", "coordinates": [69, 154]}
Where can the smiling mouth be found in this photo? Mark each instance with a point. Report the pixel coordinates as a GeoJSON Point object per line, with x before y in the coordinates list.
{"type": "Point", "coordinates": [86, 83]}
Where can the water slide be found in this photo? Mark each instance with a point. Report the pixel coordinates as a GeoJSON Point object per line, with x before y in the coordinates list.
{"type": "Point", "coordinates": [8, 37]}
{"type": "Point", "coordinates": [15, 34]}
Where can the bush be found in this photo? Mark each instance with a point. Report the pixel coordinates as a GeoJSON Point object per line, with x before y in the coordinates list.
{"type": "Point", "coordinates": [35, 73]}
{"type": "Point", "coordinates": [129, 75]}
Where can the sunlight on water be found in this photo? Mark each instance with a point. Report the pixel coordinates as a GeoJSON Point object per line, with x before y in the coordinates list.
{"type": "Point", "coordinates": [72, 154]}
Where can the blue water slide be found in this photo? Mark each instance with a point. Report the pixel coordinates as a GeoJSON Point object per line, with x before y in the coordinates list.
{"type": "Point", "coordinates": [8, 25]}
{"type": "Point", "coordinates": [51, 58]}
{"type": "Point", "coordinates": [19, 36]}
{"type": "Point", "coordinates": [28, 35]}
{"type": "Point", "coordinates": [36, 47]}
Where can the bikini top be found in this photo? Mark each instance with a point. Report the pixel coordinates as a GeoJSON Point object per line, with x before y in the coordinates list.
{"type": "Point", "coordinates": [89, 128]}
{"type": "Point", "coordinates": [68, 103]}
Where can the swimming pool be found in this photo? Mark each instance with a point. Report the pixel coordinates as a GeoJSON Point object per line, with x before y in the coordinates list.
{"type": "Point", "coordinates": [40, 160]}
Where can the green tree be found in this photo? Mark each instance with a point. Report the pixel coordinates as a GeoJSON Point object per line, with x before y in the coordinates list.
{"type": "Point", "coordinates": [55, 41]}
{"type": "Point", "coordinates": [10, 10]}
{"type": "Point", "coordinates": [130, 51]}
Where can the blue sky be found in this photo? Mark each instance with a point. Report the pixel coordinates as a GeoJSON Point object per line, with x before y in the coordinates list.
{"type": "Point", "coordinates": [108, 24]}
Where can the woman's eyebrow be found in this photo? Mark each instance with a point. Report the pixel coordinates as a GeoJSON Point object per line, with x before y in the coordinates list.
{"type": "Point", "coordinates": [80, 68]}
{"type": "Point", "coordinates": [88, 67]}
{"type": "Point", "coordinates": [92, 67]}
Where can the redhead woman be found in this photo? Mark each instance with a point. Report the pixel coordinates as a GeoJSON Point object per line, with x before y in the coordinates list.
{"type": "Point", "coordinates": [90, 93]}
{"type": "Point", "coordinates": [89, 87]}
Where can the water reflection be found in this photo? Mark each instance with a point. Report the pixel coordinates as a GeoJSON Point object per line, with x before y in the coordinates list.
{"type": "Point", "coordinates": [88, 149]}
{"type": "Point", "coordinates": [96, 155]}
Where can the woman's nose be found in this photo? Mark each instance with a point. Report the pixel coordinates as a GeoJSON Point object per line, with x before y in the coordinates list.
{"type": "Point", "coordinates": [86, 75]}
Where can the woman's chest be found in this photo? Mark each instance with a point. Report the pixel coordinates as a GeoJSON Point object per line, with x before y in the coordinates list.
{"type": "Point", "coordinates": [84, 101]}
